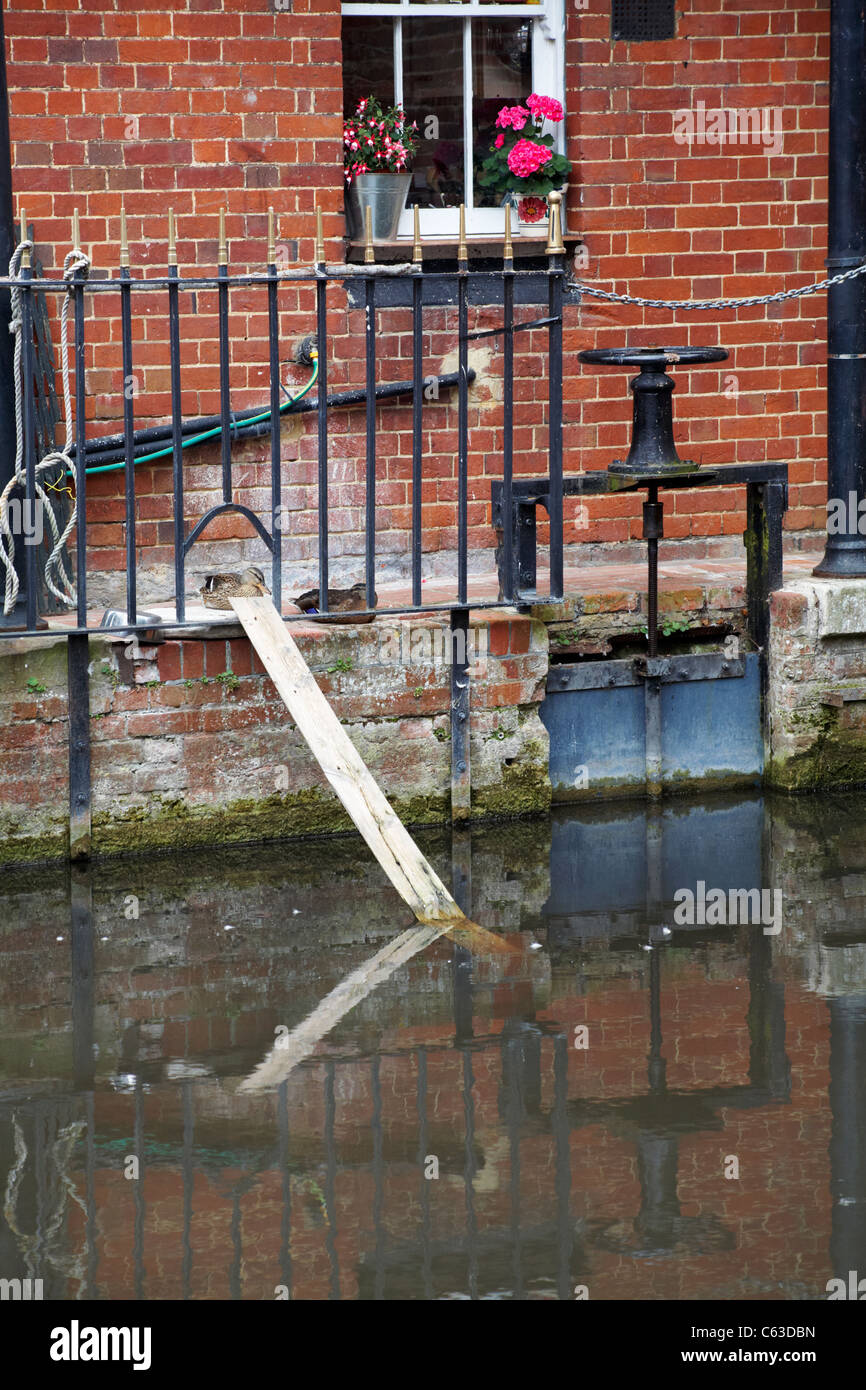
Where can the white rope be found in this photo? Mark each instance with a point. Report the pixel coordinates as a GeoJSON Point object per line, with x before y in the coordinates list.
{"type": "Point", "coordinates": [57, 577]}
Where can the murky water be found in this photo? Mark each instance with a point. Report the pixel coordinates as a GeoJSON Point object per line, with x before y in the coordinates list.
{"type": "Point", "coordinates": [647, 1095]}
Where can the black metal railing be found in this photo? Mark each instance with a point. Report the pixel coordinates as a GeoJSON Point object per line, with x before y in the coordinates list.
{"type": "Point", "coordinates": [472, 287]}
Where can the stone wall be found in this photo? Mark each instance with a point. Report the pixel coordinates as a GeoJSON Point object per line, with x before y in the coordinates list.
{"type": "Point", "coordinates": [817, 685]}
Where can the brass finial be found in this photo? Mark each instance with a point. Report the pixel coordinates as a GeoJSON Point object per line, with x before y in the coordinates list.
{"type": "Point", "coordinates": [124, 240]}
{"type": "Point", "coordinates": [369, 253]}
{"type": "Point", "coordinates": [417, 252]}
{"type": "Point", "coordinates": [462, 248]}
{"type": "Point", "coordinates": [76, 231]}
{"type": "Point", "coordinates": [25, 254]}
{"type": "Point", "coordinates": [554, 224]}
{"type": "Point", "coordinates": [223, 253]}
{"type": "Point", "coordinates": [172, 242]}
{"type": "Point", "coordinates": [320, 238]}
{"type": "Point", "coordinates": [507, 248]}
{"type": "Point", "coordinates": [272, 239]}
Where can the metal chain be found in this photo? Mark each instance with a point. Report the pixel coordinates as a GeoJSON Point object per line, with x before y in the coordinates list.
{"type": "Point", "coordinates": [55, 565]}
{"type": "Point", "coordinates": [692, 304]}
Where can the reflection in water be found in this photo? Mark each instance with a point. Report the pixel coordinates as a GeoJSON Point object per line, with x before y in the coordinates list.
{"type": "Point", "coordinates": [618, 1104]}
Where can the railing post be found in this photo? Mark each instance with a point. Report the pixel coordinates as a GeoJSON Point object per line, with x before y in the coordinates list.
{"type": "Point", "coordinates": [555, 276]}
{"type": "Point", "coordinates": [176, 423]}
{"type": "Point", "coordinates": [322, 346]}
{"type": "Point", "coordinates": [274, 380]}
{"type": "Point", "coordinates": [128, 420]}
{"type": "Point", "coordinates": [78, 280]}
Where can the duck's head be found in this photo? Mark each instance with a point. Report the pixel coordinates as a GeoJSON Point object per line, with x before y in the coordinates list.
{"type": "Point", "coordinates": [253, 575]}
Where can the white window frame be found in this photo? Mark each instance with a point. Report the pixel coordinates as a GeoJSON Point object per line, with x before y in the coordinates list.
{"type": "Point", "coordinates": [548, 77]}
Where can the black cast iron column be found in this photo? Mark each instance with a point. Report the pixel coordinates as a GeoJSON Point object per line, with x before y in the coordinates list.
{"type": "Point", "coordinates": [845, 554]}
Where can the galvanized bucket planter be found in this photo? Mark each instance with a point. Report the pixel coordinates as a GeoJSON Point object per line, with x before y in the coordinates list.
{"type": "Point", "coordinates": [385, 195]}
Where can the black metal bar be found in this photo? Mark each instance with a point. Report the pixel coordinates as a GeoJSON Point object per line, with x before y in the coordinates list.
{"type": "Point", "coordinates": [562, 1180]}
{"type": "Point", "coordinates": [417, 403]}
{"type": "Point", "coordinates": [378, 1179]}
{"type": "Point", "coordinates": [765, 508]}
{"type": "Point", "coordinates": [90, 1242]}
{"type": "Point", "coordinates": [331, 1179]}
{"type": "Point", "coordinates": [28, 426]}
{"type": "Point", "coordinates": [847, 1097]}
{"type": "Point", "coordinates": [274, 422]}
{"type": "Point", "coordinates": [128, 439]}
{"type": "Point", "coordinates": [845, 553]}
{"type": "Point", "coordinates": [177, 454]}
{"type": "Point", "coordinates": [652, 529]}
{"type": "Point", "coordinates": [78, 695]}
{"type": "Point", "coordinates": [345, 273]}
{"type": "Point", "coordinates": [235, 1283]}
{"type": "Point", "coordinates": [555, 274]}
{"type": "Point", "coordinates": [286, 1183]}
{"type": "Point", "coordinates": [225, 399]}
{"type": "Point", "coordinates": [507, 576]}
{"type": "Point", "coordinates": [514, 328]}
{"type": "Point", "coordinates": [462, 433]}
{"type": "Point", "coordinates": [756, 539]}
{"type": "Point", "coordinates": [82, 950]}
{"type": "Point", "coordinates": [421, 1106]}
{"type": "Point", "coordinates": [322, 346]}
{"type": "Point", "coordinates": [204, 521]}
{"type": "Point", "coordinates": [525, 542]}
{"type": "Point", "coordinates": [370, 462]}
{"type": "Point", "coordinates": [188, 1184]}
{"type": "Point", "coordinates": [513, 1108]}
{"type": "Point", "coordinates": [78, 283]}
{"type": "Point", "coordinates": [469, 1170]}
{"type": "Point", "coordinates": [173, 625]}
{"type": "Point", "coordinates": [599, 483]}
{"type": "Point", "coordinates": [138, 1185]}
{"type": "Point", "coordinates": [461, 780]}
{"type": "Point", "coordinates": [96, 457]}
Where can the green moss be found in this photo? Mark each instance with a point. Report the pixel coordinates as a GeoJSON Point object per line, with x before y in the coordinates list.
{"type": "Point", "coordinates": [33, 849]}
{"type": "Point", "coordinates": [836, 756]}
{"type": "Point", "coordinates": [523, 789]}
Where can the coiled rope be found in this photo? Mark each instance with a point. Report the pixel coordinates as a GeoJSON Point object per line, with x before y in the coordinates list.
{"type": "Point", "coordinates": [57, 577]}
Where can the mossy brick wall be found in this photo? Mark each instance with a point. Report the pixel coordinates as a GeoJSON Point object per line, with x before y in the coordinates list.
{"type": "Point", "coordinates": [817, 649]}
{"type": "Point", "coordinates": [209, 103]}
{"type": "Point", "coordinates": [191, 743]}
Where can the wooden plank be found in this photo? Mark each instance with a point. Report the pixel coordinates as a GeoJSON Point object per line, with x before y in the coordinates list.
{"type": "Point", "coordinates": [347, 773]}
{"type": "Point", "coordinates": [292, 1048]}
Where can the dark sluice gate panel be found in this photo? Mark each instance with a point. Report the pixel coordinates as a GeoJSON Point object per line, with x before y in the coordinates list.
{"type": "Point", "coordinates": [711, 737]}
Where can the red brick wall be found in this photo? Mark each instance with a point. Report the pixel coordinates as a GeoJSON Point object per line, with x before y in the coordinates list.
{"type": "Point", "coordinates": [231, 102]}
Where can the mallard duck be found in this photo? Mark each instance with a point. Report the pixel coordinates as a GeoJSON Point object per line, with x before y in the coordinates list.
{"type": "Point", "coordinates": [219, 588]}
{"type": "Point", "coordinates": [341, 603]}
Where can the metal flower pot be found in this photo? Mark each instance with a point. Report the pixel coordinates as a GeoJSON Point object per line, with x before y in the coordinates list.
{"type": "Point", "coordinates": [384, 195]}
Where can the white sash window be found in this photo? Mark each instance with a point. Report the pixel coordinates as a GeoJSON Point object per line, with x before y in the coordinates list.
{"type": "Point", "coordinates": [452, 66]}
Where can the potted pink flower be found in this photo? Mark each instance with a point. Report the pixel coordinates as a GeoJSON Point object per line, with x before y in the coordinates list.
{"type": "Point", "coordinates": [523, 165]}
{"type": "Point", "coordinates": [378, 146]}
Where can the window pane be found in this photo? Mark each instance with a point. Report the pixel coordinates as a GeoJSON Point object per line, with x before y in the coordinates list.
{"type": "Point", "coordinates": [502, 76]}
{"type": "Point", "coordinates": [433, 96]}
{"type": "Point", "coordinates": [368, 60]}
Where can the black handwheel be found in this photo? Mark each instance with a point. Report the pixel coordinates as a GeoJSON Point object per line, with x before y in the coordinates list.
{"type": "Point", "coordinates": [652, 451]}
